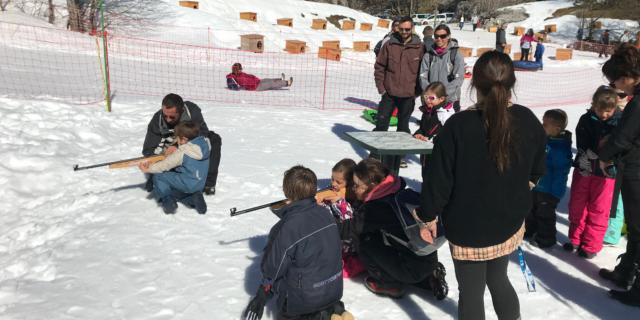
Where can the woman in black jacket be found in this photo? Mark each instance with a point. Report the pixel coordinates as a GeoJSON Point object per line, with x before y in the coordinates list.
{"type": "Point", "coordinates": [483, 163]}
{"type": "Point", "coordinates": [390, 265]}
{"type": "Point", "coordinates": [623, 148]}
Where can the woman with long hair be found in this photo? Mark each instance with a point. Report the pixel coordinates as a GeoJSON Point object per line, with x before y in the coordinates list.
{"type": "Point", "coordinates": [623, 150]}
{"type": "Point", "coordinates": [478, 182]}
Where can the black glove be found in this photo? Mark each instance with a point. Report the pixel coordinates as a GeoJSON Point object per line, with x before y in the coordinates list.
{"type": "Point", "coordinates": [256, 306]}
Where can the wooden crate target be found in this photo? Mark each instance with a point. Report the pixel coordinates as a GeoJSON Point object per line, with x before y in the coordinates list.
{"type": "Point", "coordinates": [348, 24]}
{"type": "Point", "coordinates": [189, 4]}
{"type": "Point", "coordinates": [519, 31]}
{"type": "Point", "coordinates": [251, 16]}
{"type": "Point", "coordinates": [295, 46]}
{"type": "Point", "coordinates": [287, 22]}
{"type": "Point", "coordinates": [361, 46]}
{"type": "Point", "coordinates": [564, 54]}
{"type": "Point", "coordinates": [252, 42]}
{"type": "Point", "coordinates": [550, 28]}
{"type": "Point", "coordinates": [366, 26]}
{"type": "Point", "coordinates": [333, 44]}
{"type": "Point", "coordinates": [465, 52]}
{"type": "Point", "coordinates": [493, 29]}
{"type": "Point", "coordinates": [329, 54]}
{"type": "Point", "coordinates": [480, 51]}
{"type": "Point", "coordinates": [319, 24]}
{"type": "Point", "coordinates": [383, 23]}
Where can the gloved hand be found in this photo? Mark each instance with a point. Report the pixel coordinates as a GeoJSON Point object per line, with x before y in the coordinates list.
{"type": "Point", "coordinates": [256, 306]}
{"type": "Point", "coordinates": [584, 164]}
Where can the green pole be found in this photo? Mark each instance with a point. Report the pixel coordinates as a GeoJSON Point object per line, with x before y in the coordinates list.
{"type": "Point", "coordinates": [107, 83]}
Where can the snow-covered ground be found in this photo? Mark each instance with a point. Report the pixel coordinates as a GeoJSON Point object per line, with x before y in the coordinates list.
{"type": "Point", "coordinates": [92, 245]}
{"type": "Point", "coordinates": [541, 14]}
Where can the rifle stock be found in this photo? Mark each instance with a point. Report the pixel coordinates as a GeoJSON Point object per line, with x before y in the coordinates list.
{"type": "Point", "coordinates": [323, 193]}
{"type": "Point", "coordinates": [122, 163]}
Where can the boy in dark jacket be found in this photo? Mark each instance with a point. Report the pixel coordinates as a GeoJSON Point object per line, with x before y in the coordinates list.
{"type": "Point", "coordinates": [182, 174]}
{"type": "Point", "coordinates": [302, 260]}
{"type": "Point", "coordinates": [541, 222]}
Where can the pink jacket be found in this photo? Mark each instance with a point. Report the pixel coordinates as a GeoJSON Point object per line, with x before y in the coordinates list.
{"type": "Point", "coordinates": [527, 38]}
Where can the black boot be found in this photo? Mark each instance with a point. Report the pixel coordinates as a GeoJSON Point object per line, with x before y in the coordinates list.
{"type": "Point", "coordinates": [622, 275]}
{"type": "Point", "coordinates": [631, 297]}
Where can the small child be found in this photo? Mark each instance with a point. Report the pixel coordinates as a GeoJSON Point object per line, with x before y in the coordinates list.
{"type": "Point", "coordinates": [182, 175]}
{"type": "Point", "coordinates": [540, 225]}
{"type": "Point", "coordinates": [301, 262]}
{"type": "Point", "coordinates": [435, 112]}
{"type": "Point", "coordinates": [591, 190]}
{"type": "Point", "coordinates": [339, 203]}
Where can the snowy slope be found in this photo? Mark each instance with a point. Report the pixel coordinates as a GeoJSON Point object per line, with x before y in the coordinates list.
{"type": "Point", "coordinates": [541, 13]}
{"type": "Point", "coordinates": [91, 245]}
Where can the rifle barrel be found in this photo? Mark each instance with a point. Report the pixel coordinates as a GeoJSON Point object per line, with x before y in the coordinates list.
{"type": "Point", "coordinates": [235, 212]}
{"type": "Point", "coordinates": [76, 167]}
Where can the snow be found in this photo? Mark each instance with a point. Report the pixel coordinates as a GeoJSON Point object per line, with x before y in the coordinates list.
{"type": "Point", "coordinates": [541, 14]}
{"type": "Point", "coordinates": [92, 245]}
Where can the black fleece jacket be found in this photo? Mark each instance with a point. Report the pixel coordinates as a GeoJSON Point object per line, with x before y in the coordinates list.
{"type": "Point", "coordinates": [480, 206]}
{"type": "Point", "coordinates": [624, 142]}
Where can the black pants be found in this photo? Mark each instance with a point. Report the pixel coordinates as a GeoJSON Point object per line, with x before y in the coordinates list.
{"type": "Point", "coordinates": [499, 47]}
{"type": "Point", "coordinates": [631, 200]}
{"type": "Point", "coordinates": [541, 221]}
{"type": "Point", "coordinates": [473, 276]}
{"type": "Point", "coordinates": [475, 25]}
{"type": "Point", "coordinates": [385, 109]}
{"type": "Point", "coordinates": [214, 159]}
{"type": "Point", "coordinates": [525, 54]}
{"type": "Point", "coordinates": [394, 265]}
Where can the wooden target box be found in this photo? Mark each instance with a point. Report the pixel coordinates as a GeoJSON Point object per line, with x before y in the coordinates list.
{"type": "Point", "coordinates": [480, 51]}
{"type": "Point", "coordinates": [189, 4]}
{"type": "Point", "coordinates": [366, 26]}
{"type": "Point", "coordinates": [348, 24]}
{"type": "Point", "coordinates": [518, 55]}
{"type": "Point", "coordinates": [251, 16]}
{"type": "Point", "coordinates": [597, 25]}
{"type": "Point", "coordinates": [287, 22]}
{"type": "Point", "coordinates": [465, 52]}
{"type": "Point", "coordinates": [518, 31]}
{"type": "Point", "coordinates": [329, 54]}
{"type": "Point", "coordinates": [493, 29]}
{"type": "Point", "coordinates": [383, 23]}
{"type": "Point", "coordinates": [564, 54]}
{"type": "Point", "coordinates": [550, 28]}
{"type": "Point", "coordinates": [252, 42]}
{"type": "Point", "coordinates": [361, 46]}
{"type": "Point", "coordinates": [333, 44]}
{"type": "Point", "coordinates": [295, 46]}
{"type": "Point", "coordinates": [319, 24]}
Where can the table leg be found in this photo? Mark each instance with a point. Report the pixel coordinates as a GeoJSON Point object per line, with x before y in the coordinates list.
{"type": "Point", "coordinates": [392, 162]}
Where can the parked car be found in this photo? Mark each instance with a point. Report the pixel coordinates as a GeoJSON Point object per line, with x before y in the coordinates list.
{"type": "Point", "coordinates": [421, 18]}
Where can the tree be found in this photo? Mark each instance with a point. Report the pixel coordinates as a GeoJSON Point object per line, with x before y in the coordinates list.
{"type": "Point", "coordinates": [84, 15]}
{"type": "Point", "coordinates": [4, 4]}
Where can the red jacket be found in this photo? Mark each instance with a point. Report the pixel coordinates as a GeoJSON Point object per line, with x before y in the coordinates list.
{"type": "Point", "coordinates": [527, 38]}
{"type": "Point", "coordinates": [244, 80]}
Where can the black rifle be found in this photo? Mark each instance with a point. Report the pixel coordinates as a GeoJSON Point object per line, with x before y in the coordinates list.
{"type": "Point", "coordinates": [121, 163]}
{"type": "Point", "coordinates": [235, 212]}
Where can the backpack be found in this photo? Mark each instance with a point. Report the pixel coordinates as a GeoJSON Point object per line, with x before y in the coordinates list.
{"type": "Point", "coordinates": [452, 56]}
{"type": "Point", "coordinates": [404, 203]}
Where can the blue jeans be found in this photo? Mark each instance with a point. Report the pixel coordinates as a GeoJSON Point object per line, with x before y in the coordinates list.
{"type": "Point", "coordinates": [167, 184]}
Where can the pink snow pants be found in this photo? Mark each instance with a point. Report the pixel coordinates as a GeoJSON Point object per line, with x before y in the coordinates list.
{"type": "Point", "coordinates": [589, 208]}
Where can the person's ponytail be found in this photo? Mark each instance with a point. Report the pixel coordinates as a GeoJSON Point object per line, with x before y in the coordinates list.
{"type": "Point", "coordinates": [493, 79]}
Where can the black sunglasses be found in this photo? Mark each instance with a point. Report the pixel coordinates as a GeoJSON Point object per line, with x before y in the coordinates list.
{"type": "Point", "coordinates": [440, 36]}
{"type": "Point", "coordinates": [405, 29]}
{"type": "Point", "coordinates": [621, 95]}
